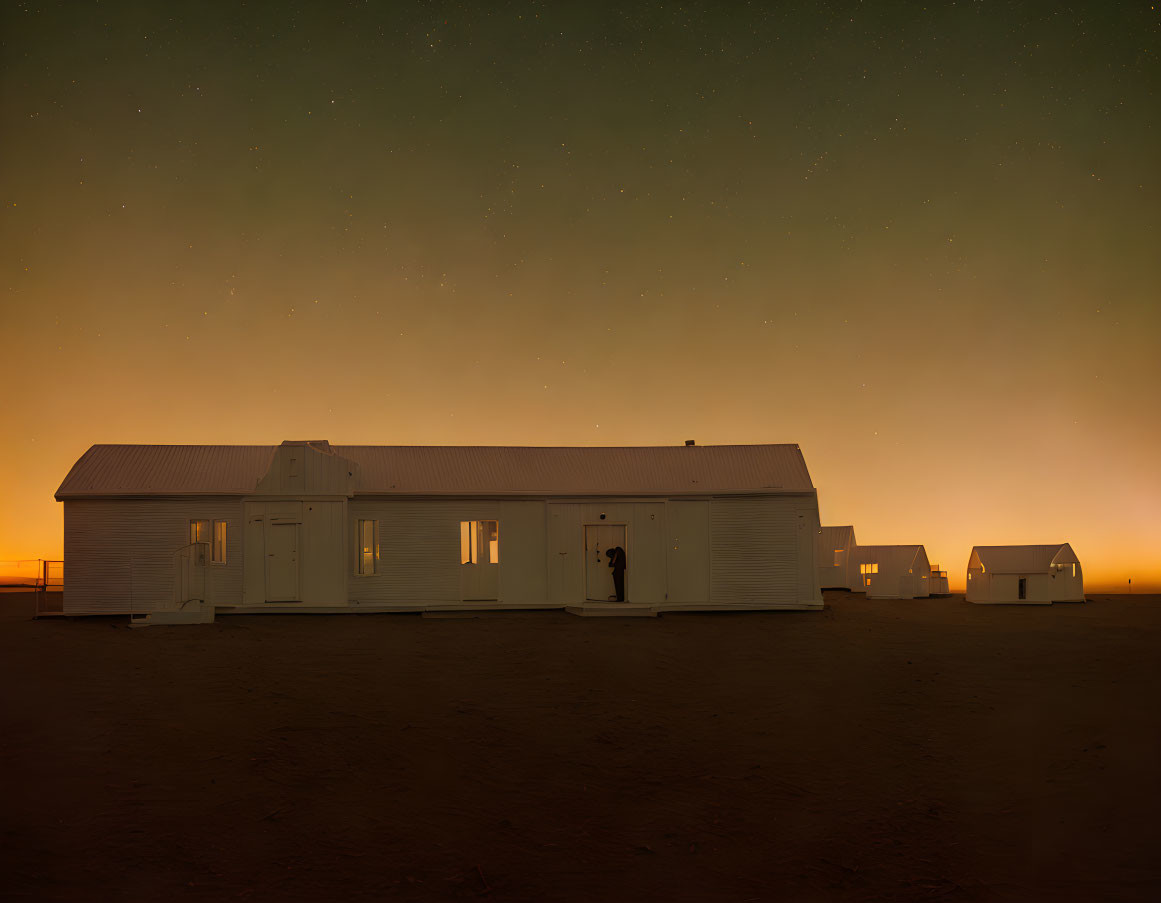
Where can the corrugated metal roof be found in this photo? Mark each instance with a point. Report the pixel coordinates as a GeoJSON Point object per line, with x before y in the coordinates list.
{"type": "Point", "coordinates": [167, 470]}
{"type": "Point", "coordinates": [836, 537]}
{"type": "Point", "coordinates": [1022, 559]}
{"type": "Point", "coordinates": [451, 470]}
{"type": "Point", "coordinates": [898, 559]}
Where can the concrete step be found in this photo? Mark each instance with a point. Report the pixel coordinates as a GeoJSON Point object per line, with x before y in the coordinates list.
{"type": "Point", "coordinates": [612, 610]}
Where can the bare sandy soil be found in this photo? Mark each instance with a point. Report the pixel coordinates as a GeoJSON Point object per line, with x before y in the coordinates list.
{"type": "Point", "coordinates": [926, 750]}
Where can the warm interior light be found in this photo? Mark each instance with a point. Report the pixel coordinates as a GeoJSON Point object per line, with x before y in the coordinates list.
{"type": "Point", "coordinates": [368, 549]}
{"type": "Point", "coordinates": [493, 541]}
{"type": "Point", "coordinates": [475, 537]}
{"type": "Point", "coordinates": [219, 548]}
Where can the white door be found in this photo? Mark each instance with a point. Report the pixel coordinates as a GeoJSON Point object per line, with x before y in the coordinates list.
{"type": "Point", "coordinates": [565, 561]}
{"type": "Point", "coordinates": [479, 560]}
{"type": "Point", "coordinates": [282, 563]}
{"type": "Point", "coordinates": [599, 586]}
{"type": "Point", "coordinates": [688, 551]}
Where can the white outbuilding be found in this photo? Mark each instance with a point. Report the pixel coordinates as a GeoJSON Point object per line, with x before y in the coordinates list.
{"type": "Point", "coordinates": [1031, 575]}
{"type": "Point", "coordinates": [893, 572]}
{"type": "Point", "coordinates": [837, 564]}
{"type": "Point", "coordinates": [182, 532]}
{"type": "Point", "coordinates": [937, 582]}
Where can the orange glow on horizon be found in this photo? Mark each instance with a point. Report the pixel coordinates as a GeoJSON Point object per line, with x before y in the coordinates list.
{"type": "Point", "coordinates": [1114, 541]}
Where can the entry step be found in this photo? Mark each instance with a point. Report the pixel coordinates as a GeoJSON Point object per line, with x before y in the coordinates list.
{"type": "Point", "coordinates": [612, 610]}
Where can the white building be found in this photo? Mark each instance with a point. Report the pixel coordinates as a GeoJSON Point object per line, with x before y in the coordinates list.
{"type": "Point", "coordinates": [893, 572]}
{"type": "Point", "coordinates": [305, 526]}
{"type": "Point", "coordinates": [837, 566]}
{"type": "Point", "coordinates": [1024, 574]}
{"type": "Point", "coordinates": [937, 582]}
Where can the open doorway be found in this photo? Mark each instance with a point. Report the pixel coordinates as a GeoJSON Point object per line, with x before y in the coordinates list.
{"type": "Point", "coordinates": [479, 560]}
{"type": "Point", "coordinates": [599, 539]}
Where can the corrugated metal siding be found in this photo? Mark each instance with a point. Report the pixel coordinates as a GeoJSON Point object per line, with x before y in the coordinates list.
{"type": "Point", "coordinates": [894, 562]}
{"type": "Point", "coordinates": [688, 551]}
{"type": "Point", "coordinates": [903, 572]}
{"type": "Point", "coordinates": [118, 553]}
{"type": "Point", "coordinates": [893, 558]}
{"type": "Point", "coordinates": [222, 469]}
{"type": "Point", "coordinates": [836, 538]}
{"type": "Point", "coordinates": [830, 539]}
{"type": "Point", "coordinates": [754, 551]}
{"type": "Point", "coordinates": [419, 548]}
{"type": "Point", "coordinates": [523, 553]}
{"type": "Point", "coordinates": [808, 527]}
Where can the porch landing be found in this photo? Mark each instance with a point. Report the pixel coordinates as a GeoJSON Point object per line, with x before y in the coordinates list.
{"type": "Point", "coordinates": [612, 610]}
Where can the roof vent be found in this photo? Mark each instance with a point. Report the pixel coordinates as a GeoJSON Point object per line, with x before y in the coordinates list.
{"type": "Point", "coordinates": [690, 442]}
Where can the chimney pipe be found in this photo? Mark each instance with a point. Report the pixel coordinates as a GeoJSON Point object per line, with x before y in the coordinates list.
{"type": "Point", "coordinates": [690, 442]}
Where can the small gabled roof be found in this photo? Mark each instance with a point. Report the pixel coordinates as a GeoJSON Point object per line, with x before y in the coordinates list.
{"type": "Point", "coordinates": [898, 559]}
{"type": "Point", "coordinates": [1022, 559]}
{"type": "Point", "coordinates": [836, 537]}
{"type": "Point", "coordinates": [134, 470]}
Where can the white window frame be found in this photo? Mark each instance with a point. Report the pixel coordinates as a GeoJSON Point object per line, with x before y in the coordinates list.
{"type": "Point", "coordinates": [361, 561]}
{"type": "Point", "coordinates": [470, 542]}
{"type": "Point", "coordinates": [218, 550]}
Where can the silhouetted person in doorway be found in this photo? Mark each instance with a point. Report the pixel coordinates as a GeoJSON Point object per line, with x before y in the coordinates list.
{"type": "Point", "coordinates": [617, 563]}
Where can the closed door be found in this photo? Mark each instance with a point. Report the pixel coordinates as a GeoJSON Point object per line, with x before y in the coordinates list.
{"type": "Point", "coordinates": [599, 586]}
{"type": "Point", "coordinates": [282, 563]}
{"type": "Point", "coordinates": [687, 551]}
{"type": "Point", "coordinates": [565, 558]}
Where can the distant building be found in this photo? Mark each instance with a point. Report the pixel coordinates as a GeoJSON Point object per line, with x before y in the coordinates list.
{"type": "Point", "coordinates": [937, 582]}
{"type": "Point", "coordinates": [1024, 574]}
{"type": "Point", "coordinates": [893, 572]}
{"type": "Point", "coordinates": [183, 531]}
{"type": "Point", "coordinates": [836, 560]}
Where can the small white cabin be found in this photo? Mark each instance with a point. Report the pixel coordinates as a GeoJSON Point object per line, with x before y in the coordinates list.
{"type": "Point", "coordinates": [1024, 575]}
{"type": "Point", "coordinates": [894, 572]}
{"type": "Point", "coordinates": [837, 563]}
{"type": "Point", "coordinates": [306, 526]}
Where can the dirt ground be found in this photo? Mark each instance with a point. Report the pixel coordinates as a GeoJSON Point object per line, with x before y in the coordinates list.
{"type": "Point", "coordinates": [920, 750]}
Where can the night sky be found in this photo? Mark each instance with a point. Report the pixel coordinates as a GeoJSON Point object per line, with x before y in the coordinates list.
{"type": "Point", "coordinates": [921, 243]}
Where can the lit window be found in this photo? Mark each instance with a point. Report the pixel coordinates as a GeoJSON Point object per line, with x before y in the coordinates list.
{"type": "Point", "coordinates": [838, 558]}
{"type": "Point", "coordinates": [368, 561]}
{"type": "Point", "coordinates": [219, 547]}
{"type": "Point", "coordinates": [479, 542]}
{"type": "Point", "coordinates": [199, 531]}
{"type": "Point", "coordinates": [867, 570]}
{"type": "Point", "coordinates": [1074, 570]}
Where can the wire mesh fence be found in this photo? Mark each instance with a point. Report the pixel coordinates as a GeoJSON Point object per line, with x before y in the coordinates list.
{"type": "Point", "coordinates": [41, 576]}
{"type": "Point", "coordinates": [30, 573]}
